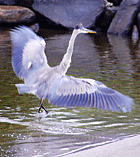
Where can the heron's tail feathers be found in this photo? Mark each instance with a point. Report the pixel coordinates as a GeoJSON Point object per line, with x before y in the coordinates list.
{"type": "Point", "coordinates": [23, 88]}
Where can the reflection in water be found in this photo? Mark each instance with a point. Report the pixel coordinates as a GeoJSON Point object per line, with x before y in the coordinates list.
{"type": "Point", "coordinates": [110, 59]}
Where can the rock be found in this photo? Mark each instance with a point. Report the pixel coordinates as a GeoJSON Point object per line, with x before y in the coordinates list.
{"type": "Point", "coordinates": [115, 2]}
{"type": "Point", "coordinates": [69, 13]}
{"type": "Point", "coordinates": [8, 2]}
{"type": "Point", "coordinates": [108, 4]}
{"type": "Point", "coordinates": [16, 14]}
{"type": "Point", "coordinates": [124, 18]}
{"type": "Point", "coordinates": [103, 22]}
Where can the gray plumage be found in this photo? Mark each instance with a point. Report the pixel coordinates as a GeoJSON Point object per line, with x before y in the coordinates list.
{"type": "Point", "coordinates": [30, 64]}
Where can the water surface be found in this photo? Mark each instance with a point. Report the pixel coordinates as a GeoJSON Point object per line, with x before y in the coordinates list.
{"type": "Point", "coordinates": [113, 60]}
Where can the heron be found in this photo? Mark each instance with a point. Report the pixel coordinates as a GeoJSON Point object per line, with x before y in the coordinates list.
{"type": "Point", "coordinates": [30, 64]}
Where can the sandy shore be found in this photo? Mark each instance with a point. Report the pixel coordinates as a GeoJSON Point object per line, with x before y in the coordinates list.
{"type": "Point", "coordinates": [128, 147]}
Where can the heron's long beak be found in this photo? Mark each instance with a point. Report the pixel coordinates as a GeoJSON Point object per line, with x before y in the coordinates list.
{"type": "Point", "coordinates": [88, 30]}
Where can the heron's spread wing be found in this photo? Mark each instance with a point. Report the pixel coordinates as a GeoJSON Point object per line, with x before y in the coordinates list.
{"type": "Point", "coordinates": [69, 91]}
{"type": "Point", "coordinates": [27, 51]}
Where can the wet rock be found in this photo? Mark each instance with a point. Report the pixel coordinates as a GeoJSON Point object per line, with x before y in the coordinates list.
{"type": "Point", "coordinates": [15, 14]}
{"type": "Point", "coordinates": [69, 13]}
{"type": "Point", "coordinates": [124, 19]}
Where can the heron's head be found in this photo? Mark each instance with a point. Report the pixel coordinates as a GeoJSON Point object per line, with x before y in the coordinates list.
{"type": "Point", "coordinates": [82, 29]}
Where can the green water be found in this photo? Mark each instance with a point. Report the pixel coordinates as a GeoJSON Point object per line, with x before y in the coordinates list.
{"type": "Point", "coordinates": [113, 60]}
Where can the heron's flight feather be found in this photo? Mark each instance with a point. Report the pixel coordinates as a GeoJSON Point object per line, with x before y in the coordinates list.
{"type": "Point", "coordinates": [71, 91]}
{"type": "Point", "coordinates": [27, 51]}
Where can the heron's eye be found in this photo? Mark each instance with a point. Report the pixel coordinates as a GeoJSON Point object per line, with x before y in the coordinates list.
{"type": "Point", "coordinates": [77, 27]}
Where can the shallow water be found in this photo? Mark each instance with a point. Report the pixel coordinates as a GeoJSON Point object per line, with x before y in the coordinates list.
{"type": "Point", "coordinates": [110, 59]}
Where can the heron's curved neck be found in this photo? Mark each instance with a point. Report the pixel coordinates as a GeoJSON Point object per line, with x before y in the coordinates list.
{"type": "Point", "coordinates": [65, 63]}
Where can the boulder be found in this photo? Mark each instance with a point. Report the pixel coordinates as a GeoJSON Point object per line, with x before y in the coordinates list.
{"type": "Point", "coordinates": [124, 19]}
{"type": "Point", "coordinates": [16, 14]}
{"type": "Point", "coordinates": [103, 22]}
{"type": "Point", "coordinates": [69, 13]}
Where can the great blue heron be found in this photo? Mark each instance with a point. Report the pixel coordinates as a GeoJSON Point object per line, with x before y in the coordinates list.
{"type": "Point", "coordinates": [30, 64]}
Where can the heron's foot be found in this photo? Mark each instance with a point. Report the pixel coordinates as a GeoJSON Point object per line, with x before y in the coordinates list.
{"type": "Point", "coordinates": [41, 106]}
{"type": "Point", "coordinates": [44, 109]}
{"type": "Point", "coordinates": [39, 110]}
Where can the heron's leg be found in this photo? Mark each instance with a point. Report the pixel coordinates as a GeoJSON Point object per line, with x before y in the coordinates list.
{"type": "Point", "coordinates": [41, 106]}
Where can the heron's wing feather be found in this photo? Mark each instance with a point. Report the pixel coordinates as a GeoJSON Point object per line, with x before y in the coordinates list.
{"type": "Point", "coordinates": [70, 91]}
{"type": "Point", "coordinates": [27, 51]}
